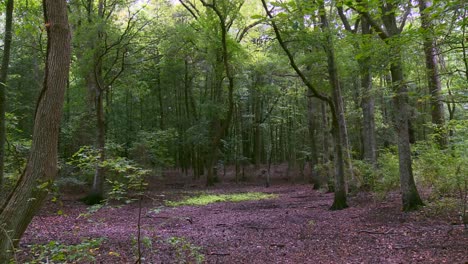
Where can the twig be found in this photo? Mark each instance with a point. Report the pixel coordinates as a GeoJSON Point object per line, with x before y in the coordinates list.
{"type": "Point", "coordinates": [260, 228]}
{"type": "Point", "coordinates": [278, 245]}
{"type": "Point", "coordinates": [218, 254]}
{"type": "Point", "coordinates": [139, 228]}
{"type": "Point", "coordinates": [376, 232]}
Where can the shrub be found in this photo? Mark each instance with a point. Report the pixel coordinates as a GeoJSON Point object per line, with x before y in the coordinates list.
{"type": "Point", "coordinates": [56, 252]}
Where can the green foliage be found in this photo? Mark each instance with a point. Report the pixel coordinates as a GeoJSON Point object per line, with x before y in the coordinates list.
{"type": "Point", "coordinates": [366, 175]}
{"type": "Point", "coordinates": [389, 171]}
{"type": "Point", "coordinates": [205, 199]}
{"type": "Point", "coordinates": [91, 210]}
{"type": "Point", "coordinates": [124, 175]}
{"type": "Point", "coordinates": [16, 149]}
{"type": "Point", "coordinates": [56, 252]}
{"type": "Point", "coordinates": [155, 149]}
{"type": "Point", "coordinates": [186, 252]}
{"type": "Point", "coordinates": [445, 170]}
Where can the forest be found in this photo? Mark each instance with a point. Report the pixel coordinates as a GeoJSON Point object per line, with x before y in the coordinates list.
{"type": "Point", "coordinates": [234, 131]}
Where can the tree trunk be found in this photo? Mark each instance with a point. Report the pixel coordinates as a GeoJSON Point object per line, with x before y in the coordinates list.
{"type": "Point", "coordinates": [311, 115]}
{"type": "Point", "coordinates": [225, 123]}
{"type": "Point", "coordinates": [368, 106]}
{"type": "Point", "coordinates": [41, 168]}
{"type": "Point", "coordinates": [97, 190]}
{"type": "Point", "coordinates": [410, 195]}
{"type": "Point", "coordinates": [338, 119]}
{"type": "Point", "coordinates": [433, 80]}
{"type": "Point", "coordinates": [3, 80]}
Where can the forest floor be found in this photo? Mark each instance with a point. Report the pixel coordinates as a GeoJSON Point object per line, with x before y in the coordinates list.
{"type": "Point", "coordinates": [295, 227]}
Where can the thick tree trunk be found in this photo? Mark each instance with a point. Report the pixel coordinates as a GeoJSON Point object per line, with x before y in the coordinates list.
{"type": "Point", "coordinates": [433, 80]}
{"type": "Point", "coordinates": [41, 168]}
{"type": "Point", "coordinates": [3, 80]}
{"type": "Point", "coordinates": [225, 123]}
{"type": "Point", "coordinates": [410, 195]}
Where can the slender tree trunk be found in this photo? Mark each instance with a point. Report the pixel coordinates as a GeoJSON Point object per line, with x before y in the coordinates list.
{"type": "Point", "coordinates": [41, 168]}
{"type": "Point", "coordinates": [433, 80]}
{"type": "Point", "coordinates": [3, 80]}
{"type": "Point", "coordinates": [311, 116]}
{"type": "Point", "coordinates": [368, 105]}
{"type": "Point", "coordinates": [338, 119]}
{"type": "Point", "coordinates": [97, 190]}
{"type": "Point", "coordinates": [340, 186]}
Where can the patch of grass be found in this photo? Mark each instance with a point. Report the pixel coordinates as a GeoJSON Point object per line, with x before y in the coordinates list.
{"type": "Point", "coordinates": [205, 199]}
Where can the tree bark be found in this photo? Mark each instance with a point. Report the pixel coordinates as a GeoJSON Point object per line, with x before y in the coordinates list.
{"type": "Point", "coordinates": [368, 106]}
{"type": "Point", "coordinates": [3, 79]}
{"type": "Point", "coordinates": [224, 124]}
{"type": "Point", "coordinates": [41, 168]}
{"type": "Point", "coordinates": [432, 71]}
{"type": "Point", "coordinates": [312, 109]}
{"type": "Point", "coordinates": [410, 195]}
{"type": "Point", "coordinates": [389, 34]}
{"type": "Point", "coordinates": [338, 121]}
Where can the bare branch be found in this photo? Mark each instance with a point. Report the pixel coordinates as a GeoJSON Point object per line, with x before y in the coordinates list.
{"type": "Point", "coordinates": [344, 19]}
{"type": "Point", "coordinates": [188, 9]}
{"type": "Point", "coordinates": [292, 62]}
{"type": "Point", "coordinates": [405, 17]}
{"type": "Point", "coordinates": [242, 33]}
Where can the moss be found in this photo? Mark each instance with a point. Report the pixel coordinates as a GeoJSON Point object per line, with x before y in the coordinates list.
{"type": "Point", "coordinates": [205, 199]}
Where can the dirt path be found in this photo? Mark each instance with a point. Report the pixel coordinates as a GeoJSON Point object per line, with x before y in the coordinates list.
{"type": "Point", "coordinates": [296, 227]}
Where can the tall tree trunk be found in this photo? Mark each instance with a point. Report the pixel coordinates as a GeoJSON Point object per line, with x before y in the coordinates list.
{"type": "Point", "coordinates": [97, 190]}
{"type": "Point", "coordinates": [3, 80]}
{"type": "Point", "coordinates": [432, 71]}
{"type": "Point", "coordinates": [41, 168]}
{"type": "Point", "coordinates": [338, 121]}
{"type": "Point", "coordinates": [340, 186]}
{"type": "Point", "coordinates": [312, 125]}
{"type": "Point", "coordinates": [368, 105]}
{"type": "Point", "coordinates": [225, 123]}
{"type": "Point", "coordinates": [410, 195]}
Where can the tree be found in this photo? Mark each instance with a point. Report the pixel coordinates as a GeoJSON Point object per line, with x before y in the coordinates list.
{"type": "Point", "coordinates": [432, 71]}
{"type": "Point", "coordinates": [31, 189]}
{"type": "Point", "coordinates": [3, 79]}
{"type": "Point", "coordinates": [333, 103]}
{"type": "Point", "coordinates": [389, 31]}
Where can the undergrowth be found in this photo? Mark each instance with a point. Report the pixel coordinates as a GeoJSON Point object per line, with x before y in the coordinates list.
{"type": "Point", "coordinates": [56, 252]}
{"type": "Point", "coordinates": [205, 199]}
